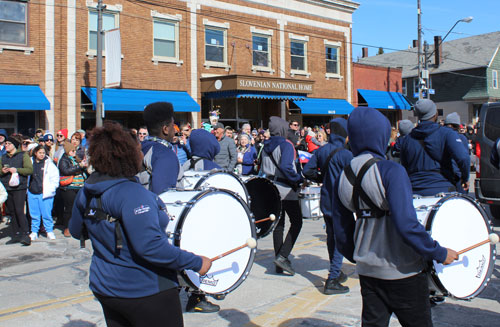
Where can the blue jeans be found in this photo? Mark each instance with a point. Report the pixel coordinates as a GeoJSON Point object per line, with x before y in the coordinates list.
{"type": "Point", "coordinates": [334, 254]}
{"type": "Point", "coordinates": [40, 208]}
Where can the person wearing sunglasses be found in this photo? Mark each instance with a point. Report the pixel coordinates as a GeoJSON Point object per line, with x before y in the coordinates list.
{"type": "Point", "coordinates": [61, 136]}
{"type": "Point", "coordinates": [143, 133]}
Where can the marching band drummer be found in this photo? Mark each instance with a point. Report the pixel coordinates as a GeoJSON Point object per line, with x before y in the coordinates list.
{"type": "Point", "coordinates": [330, 159]}
{"type": "Point", "coordinates": [165, 171]}
{"type": "Point", "coordinates": [204, 148]}
{"type": "Point", "coordinates": [427, 154]}
{"type": "Point", "coordinates": [278, 164]}
{"type": "Point", "coordinates": [133, 268]}
{"type": "Point", "coordinates": [386, 241]}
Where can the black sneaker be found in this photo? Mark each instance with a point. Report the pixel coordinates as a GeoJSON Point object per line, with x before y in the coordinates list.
{"type": "Point", "coordinates": [278, 270]}
{"type": "Point", "coordinates": [332, 286]}
{"type": "Point", "coordinates": [13, 240]}
{"type": "Point", "coordinates": [199, 303]}
{"type": "Point", "coordinates": [25, 240]}
{"type": "Point", "coordinates": [342, 277]}
{"type": "Point", "coordinates": [284, 263]}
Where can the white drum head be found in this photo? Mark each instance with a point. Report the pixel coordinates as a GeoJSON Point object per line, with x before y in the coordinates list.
{"type": "Point", "coordinates": [216, 223]}
{"type": "Point", "coordinates": [214, 179]}
{"type": "Point", "coordinates": [458, 224]}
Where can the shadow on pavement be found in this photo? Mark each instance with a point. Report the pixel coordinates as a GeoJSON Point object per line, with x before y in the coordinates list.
{"type": "Point", "coordinates": [79, 323]}
{"type": "Point", "coordinates": [448, 314]}
{"type": "Point", "coordinates": [236, 318]}
{"type": "Point", "coordinates": [492, 290]}
{"type": "Point", "coordinates": [4, 231]}
{"type": "Point", "coordinates": [309, 322]}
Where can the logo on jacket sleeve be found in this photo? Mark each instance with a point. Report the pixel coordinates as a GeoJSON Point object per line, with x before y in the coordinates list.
{"type": "Point", "coordinates": [142, 209]}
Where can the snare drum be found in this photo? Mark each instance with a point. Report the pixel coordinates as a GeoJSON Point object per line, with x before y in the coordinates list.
{"type": "Point", "coordinates": [456, 221]}
{"type": "Point", "coordinates": [220, 179]}
{"type": "Point", "coordinates": [309, 198]}
{"type": "Point", "coordinates": [264, 201]}
{"type": "Point", "coordinates": [211, 222]}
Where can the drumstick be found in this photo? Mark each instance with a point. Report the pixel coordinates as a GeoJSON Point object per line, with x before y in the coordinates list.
{"type": "Point", "coordinates": [251, 243]}
{"type": "Point", "coordinates": [492, 238]}
{"type": "Point", "coordinates": [271, 217]}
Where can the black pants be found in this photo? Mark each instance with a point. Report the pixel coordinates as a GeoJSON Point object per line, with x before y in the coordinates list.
{"type": "Point", "coordinates": [407, 298]}
{"type": "Point", "coordinates": [292, 208]}
{"type": "Point", "coordinates": [15, 204]}
{"type": "Point", "coordinates": [159, 310]}
{"type": "Point", "coordinates": [68, 196]}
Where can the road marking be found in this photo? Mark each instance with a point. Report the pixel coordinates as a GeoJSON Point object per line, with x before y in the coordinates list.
{"type": "Point", "coordinates": [302, 304]}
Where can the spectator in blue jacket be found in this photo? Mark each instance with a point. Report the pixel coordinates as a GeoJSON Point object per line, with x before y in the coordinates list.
{"type": "Point", "coordinates": [386, 241]}
{"type": "Point", "coordinates": [278, 164]}
{"type": "Point", "coordinates": [495, 154]}
{"type": "Point", "coordinates": [325, 166]}
{"type": "Point", "coordinates": [165, 167]}
{"type": "Point", "coordinates": [246, 155]}
{"type": "Point", "coordinates": [137, 284]}
{"type": "Point", "coordinates": [452, 121]}
{"type": "Point", "coordinates": [427, 154]}
{"type": "Point", "coordinates": [204, 148]}
{"type": "Point", "coordinates": [3, 138]}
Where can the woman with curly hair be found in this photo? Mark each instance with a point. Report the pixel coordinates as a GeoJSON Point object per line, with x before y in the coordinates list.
{"type": "Point", "coordinates": [133, 269]}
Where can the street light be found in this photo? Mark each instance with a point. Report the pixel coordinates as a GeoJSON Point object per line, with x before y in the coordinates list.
{"type": "Point", "coordinates": [463, 20]}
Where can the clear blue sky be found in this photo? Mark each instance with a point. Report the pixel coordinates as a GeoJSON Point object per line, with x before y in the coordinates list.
{"type": "Point", "coordinates": [392, 24]}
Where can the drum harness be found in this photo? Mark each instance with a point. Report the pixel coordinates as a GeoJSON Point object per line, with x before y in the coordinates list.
{"type": "Point", "coordinates": [358, 192]}
{"type": "Point", "coordinates": [144, 175]}
{"type": "Point", "coordinates": [285, 181]}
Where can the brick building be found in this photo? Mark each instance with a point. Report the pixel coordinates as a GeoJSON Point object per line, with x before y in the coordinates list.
{"type": "Point", "coordinates": [381, 88]}
{"type": "Point", "coordinates": [249, 59]}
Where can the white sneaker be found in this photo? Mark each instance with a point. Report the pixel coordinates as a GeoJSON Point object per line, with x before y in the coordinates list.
{"type": "Point", "coordinates": [51, 235]}
{"type": "Point", "coordinates": [33, 236]}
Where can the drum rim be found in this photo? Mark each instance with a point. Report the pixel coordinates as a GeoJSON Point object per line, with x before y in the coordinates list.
{"type": "Point", "coordinates": [268, 182]}
{"type": "Point", "coordinates": [180, 224]}
{"type": "Point", "coordinates": [221, 171]}
{"type": "Point", "coordinates": [491, 267]}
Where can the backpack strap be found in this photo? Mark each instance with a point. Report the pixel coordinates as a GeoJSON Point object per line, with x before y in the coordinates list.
{"type": "Point", "coordinates": [193, 162]}
{"type": "Point", "coordinates": [358, 192]}
{"type": "Point", "coordinates": [324, 168]}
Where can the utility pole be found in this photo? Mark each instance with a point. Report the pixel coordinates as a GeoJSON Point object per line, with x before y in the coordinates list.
{"type": "Point", "coordinates": [98, 102]}
{"type": "Point", "coordinates": [419, 51]}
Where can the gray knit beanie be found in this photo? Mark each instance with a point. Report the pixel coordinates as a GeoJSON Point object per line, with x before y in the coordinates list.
{"type": "Point", "coordinates": [425, 109]}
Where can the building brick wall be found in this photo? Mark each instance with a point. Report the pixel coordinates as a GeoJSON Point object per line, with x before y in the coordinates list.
{"type": "Point", "coordinates": [376, 78]}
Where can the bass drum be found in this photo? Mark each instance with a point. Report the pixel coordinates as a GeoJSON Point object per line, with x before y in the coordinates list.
{"type": "Point", "coordinates": [264, 201]}
{"type": "Point", "coordinates": [456, 221]}
{"type": "Point", "coordinates": [220, 179]}
{"type": "Point", "coordinates": [198, 224]}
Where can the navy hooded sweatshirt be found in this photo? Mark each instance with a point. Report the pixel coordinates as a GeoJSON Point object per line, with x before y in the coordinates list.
{"type": "Point", "coordinates": [371, 139]}
{"type": "Point", "coordinates": [147, 263]}
{"type": "Point", "coordinates": [165, 166]}
{"type": "Point", "coordinates": [204, 146]}
{"type": "Point", "coordinates": [431, 170]}
{"type": "Point", "coordinates": [335, 166]}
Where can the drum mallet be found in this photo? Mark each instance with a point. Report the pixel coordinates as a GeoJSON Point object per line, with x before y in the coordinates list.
{"type": "Point", "coordinates": [492, 239]}
{"type": "Point", "coordinates": [271, 217]}
{"type": "Point", "coordinates": [251, 243]}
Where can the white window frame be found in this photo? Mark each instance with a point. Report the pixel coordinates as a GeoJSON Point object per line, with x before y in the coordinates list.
{"type": "Point", "coordinates": [221, 27]}
{"type": "Point", "coordinates": [494, 78]}
{"type": "Point", "coordinates": [170, 19]}
{"type": "Point", "coordinates": [4, 45]}
{"type": "Point", "coordinates": [110, 9]}
{"type": "Point", "coordinates": [337, 46]}
{"type": "Point", "coordinates": [404, 87]}
{"type": "Point", "coordinates": [268, 36]}
{"type": "Point", "coordinates": [304, 40]}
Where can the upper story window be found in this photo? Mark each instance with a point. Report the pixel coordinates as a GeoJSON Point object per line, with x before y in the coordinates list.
{"type": "Point", "coordinates": [109, 21]}
{"type": "Point", "coordinates": [215, 45]}
{"type": "Point", "coordinates": [332, 60]}
{"type": "Point", "coordinates": [494, 75]}
{"type": "Point", "coordinates": [165, 36]}
{"type": "Point", "coordinates": [261, 48]}
{"type": "Point", "coordinates": [404, 87]}
{"type": "Point", "coordinates": [298, 52]}
{"type": "Point", "coordinates": [13, 22]}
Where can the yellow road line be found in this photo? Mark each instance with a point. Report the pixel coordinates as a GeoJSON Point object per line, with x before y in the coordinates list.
{"type": "Point", "coordinates": [303, 304]}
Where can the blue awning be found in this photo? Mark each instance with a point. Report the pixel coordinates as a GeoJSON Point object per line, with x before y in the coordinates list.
{"type": "Point", "coordinates": [254, 95]}
{"type": "Point", "coordinates": [22, 97]}
{"type": "Point", "coordinates": [384, 99]}
{"type": "Point", "coordinates": [136, 100]}
{"type": "Point", "coordinates": [317, 106]}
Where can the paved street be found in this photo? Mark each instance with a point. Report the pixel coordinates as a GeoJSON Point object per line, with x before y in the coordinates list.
{"type": "Point", "coordinates": [46, 284]}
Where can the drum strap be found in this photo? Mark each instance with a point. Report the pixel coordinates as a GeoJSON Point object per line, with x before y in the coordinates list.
{"type": "Point", "coordinates": [99, 214]}
{"type": "Point", "coordinates": [281, 180]}
{"type": "Point", "coordinates": [358, 192]}
{"type": "Point", "coordinates": [193, 162]}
